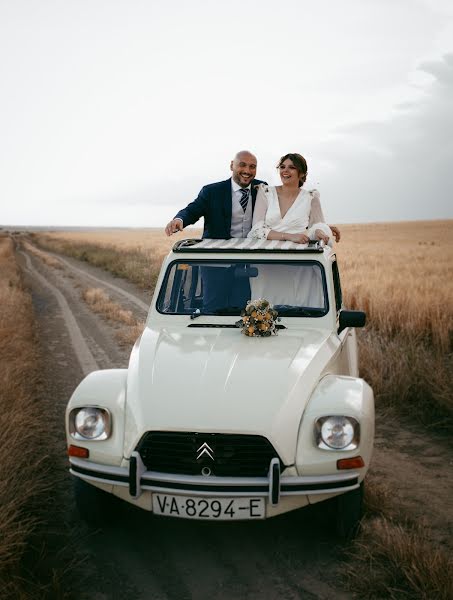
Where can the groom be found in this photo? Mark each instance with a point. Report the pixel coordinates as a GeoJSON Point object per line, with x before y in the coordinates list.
{"type": "Point", "coordinates": [227, 206]}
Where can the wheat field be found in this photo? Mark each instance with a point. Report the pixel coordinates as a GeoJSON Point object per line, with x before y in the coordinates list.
{"type": "Point", "coordinates": [401, 274]}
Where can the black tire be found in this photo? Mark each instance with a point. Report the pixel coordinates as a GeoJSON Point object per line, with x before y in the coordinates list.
{"type": "Point", "coordinates": [349, 512]}
{"type": "Point", "coordinates": [94, 505]}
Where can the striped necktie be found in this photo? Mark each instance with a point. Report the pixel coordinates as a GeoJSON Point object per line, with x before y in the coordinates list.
{"type": "Point", "coordinates": [244, 199]}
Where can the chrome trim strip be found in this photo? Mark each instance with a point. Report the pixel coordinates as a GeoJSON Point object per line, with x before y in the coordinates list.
{"type": "Point", "coordinates": [98, 478]}
{"type": "Point", "coordinates": [211, 481]}
{"type": "Point", "coordinates": [214, 492]}
{"type": "Point", "coordinates": [83, 463]}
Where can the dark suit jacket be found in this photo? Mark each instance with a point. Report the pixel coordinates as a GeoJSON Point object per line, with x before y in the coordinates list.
{"type": "Point", "coordinates": [214, 204]}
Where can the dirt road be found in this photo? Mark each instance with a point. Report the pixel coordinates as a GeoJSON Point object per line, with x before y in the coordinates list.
{"type": "Point", "coordinates": [144, 557]}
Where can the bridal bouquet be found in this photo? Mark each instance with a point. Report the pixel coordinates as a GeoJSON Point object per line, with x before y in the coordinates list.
{"type": "Point", "coordinates": [258, 319]}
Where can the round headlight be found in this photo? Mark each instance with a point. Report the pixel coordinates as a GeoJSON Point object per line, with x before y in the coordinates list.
{"type": "Point", "coordinates": [338, 432]}
{"type": "Point", "coordinates": [90, 423]}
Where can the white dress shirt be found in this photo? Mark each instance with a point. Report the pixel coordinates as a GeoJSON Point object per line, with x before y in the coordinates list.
{"type": "Point", "coordinates": [241, 221]}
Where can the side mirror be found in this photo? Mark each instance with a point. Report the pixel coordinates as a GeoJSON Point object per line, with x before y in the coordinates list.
{"type": "Point", "coordinates": [351, 318]}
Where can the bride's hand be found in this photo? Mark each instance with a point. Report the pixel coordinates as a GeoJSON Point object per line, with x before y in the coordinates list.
{"type": "Point", "coordinates": [320, 235]}
{"type": "Point", "coordinates": [298, 238]}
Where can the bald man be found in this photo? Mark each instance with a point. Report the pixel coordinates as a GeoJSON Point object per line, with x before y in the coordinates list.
{"type": "Point", "coordinates": [227, 206]}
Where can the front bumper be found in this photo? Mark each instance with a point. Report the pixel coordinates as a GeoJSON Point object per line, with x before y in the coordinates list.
{"type": "Point", "coordinates": [138, 479]}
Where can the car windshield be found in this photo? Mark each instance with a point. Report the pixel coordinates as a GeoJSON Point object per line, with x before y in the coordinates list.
{"type": "Point", "coordinates": [219, 287]}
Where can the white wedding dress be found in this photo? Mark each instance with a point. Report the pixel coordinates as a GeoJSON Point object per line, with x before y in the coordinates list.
{"type": "Point", "coordinates": [294, 285]}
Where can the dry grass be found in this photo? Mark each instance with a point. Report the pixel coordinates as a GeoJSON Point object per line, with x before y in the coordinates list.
{"type": "Point", "coordinates": [409, 375]}
{"type": "Point", "coordinates": [128, 336]}
{"type": "Point", "coordinates": [43, 256]}
{"type": "Point", "coordinates": [123, 239]}
{"type": "Point", "coordinates": [379, 499]}
{"type": "Point", "coordinates": [401, 274]}
{"type": "Point", "coordinates": [389, 560]}
{"type": "Point", "coordinates": [394, 556]}
{"type": "Point", "coordinates": [99, 301]}
{"type": "Point", "coordinates": [135, 255]}
{"type": "Point", "coordinates": [24, 467]}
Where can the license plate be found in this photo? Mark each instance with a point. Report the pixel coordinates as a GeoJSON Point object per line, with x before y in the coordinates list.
{"type": "Point", "coordinates": [219, 509]}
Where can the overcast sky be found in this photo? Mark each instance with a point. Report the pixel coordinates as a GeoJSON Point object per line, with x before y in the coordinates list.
{"type": "Point", "coordinates": [116, 112]}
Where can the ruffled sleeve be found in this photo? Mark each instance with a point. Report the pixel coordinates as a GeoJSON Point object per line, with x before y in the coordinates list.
{"type": "Point", "coordinates": [316, 219]}
{"type": "Point", "coordinates": [260, 230]}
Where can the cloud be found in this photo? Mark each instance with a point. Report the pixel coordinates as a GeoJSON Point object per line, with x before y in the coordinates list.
{"type": "Point", "coordinates": [442, 71]}
{"type": "Point", "coordinates": [400, 168]}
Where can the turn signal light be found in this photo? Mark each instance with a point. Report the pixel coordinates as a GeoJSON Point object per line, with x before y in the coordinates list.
{"type": "Point", "coordinates": [78, 451]}
{"type": "Point", "coordinates": [350, 463]}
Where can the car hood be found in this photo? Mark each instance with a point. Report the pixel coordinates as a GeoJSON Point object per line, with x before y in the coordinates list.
{"type": "Point", "coordinates": [218, 380]}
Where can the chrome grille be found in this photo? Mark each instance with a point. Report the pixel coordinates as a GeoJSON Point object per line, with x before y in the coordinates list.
{"type": "Point", "coordinates": [234, 455]}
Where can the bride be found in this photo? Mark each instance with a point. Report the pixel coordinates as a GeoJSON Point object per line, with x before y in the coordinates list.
{"type": "Point", "coordinates": [289, 213]}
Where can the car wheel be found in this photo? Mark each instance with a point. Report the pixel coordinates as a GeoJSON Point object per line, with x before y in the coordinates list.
{"type": "Point", "coordinates": [94, 505]}
{"type": "Point", "coordinates": [349, 512]}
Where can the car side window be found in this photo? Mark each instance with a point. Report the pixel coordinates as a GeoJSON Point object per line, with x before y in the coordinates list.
{"type": "Point", "coordinates": [337, 286]}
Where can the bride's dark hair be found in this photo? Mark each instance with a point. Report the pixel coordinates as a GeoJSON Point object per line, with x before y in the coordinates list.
{"type": "Point", "coordinates": [299, 162]}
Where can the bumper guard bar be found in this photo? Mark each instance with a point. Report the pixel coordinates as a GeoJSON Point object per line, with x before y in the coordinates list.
{"type": "Point", "coordinates": [138, 479]}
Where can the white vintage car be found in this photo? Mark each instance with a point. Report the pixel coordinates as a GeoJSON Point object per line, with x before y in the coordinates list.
{"type": "Point", "coordinates": [208, 423]}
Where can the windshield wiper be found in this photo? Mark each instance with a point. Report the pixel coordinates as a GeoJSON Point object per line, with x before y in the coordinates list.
{"type": "Point", "coordinates": [228, 310]}
{"type": "Point", "coordinates": [196, 313]}
{"type": "Point", "coordinates": [224, 311]}
{"type": "Point", "coordinates": [297, 311]}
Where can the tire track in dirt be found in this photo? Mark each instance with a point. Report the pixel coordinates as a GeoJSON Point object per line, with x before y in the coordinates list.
{"type": "Point", "coordinates": [83, 353]}
{"type": "Point", "coordinates": [139, 303]}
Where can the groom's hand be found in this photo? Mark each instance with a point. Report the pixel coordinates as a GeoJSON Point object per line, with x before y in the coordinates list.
{"type": "Point", "coordinates": [174, 226]}
{"type": "Point", "coordinates": [335, 232]}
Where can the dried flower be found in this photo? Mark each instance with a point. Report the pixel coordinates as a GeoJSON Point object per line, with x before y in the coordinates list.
{"type": "Point", "coordinates": [258, 319]}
